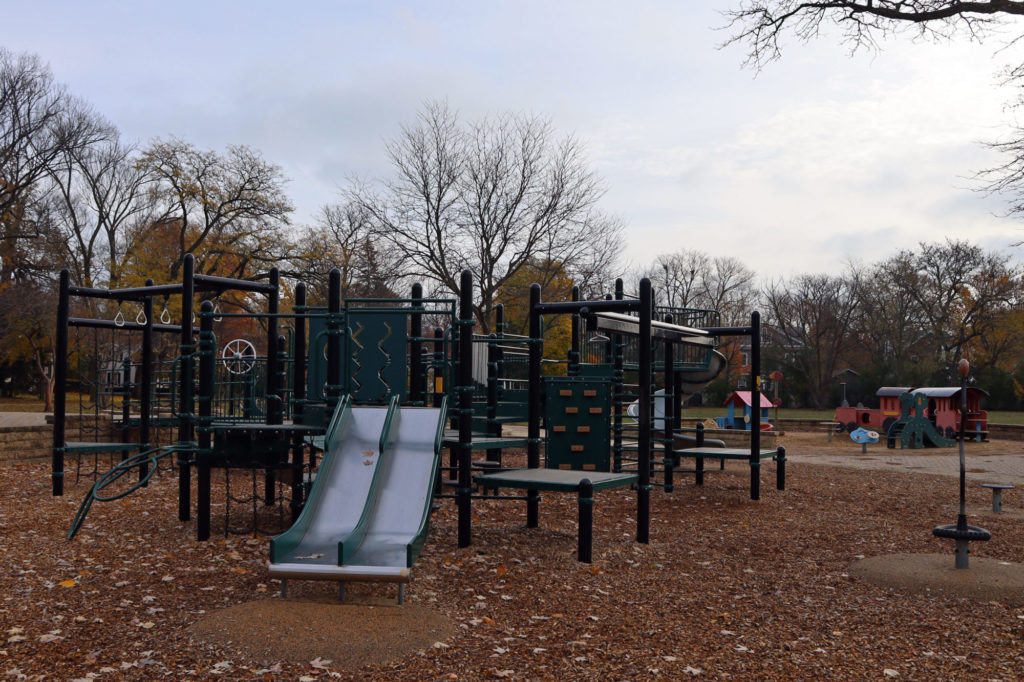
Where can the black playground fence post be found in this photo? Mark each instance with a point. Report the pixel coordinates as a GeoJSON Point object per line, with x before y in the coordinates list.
{"type": "Point", "coordinates": [60, 384]}
{"type": "Point", "coordinates": [585, 534]}
{"type": "Point", "coordinates": [643, 492]}
{"type": "Point", "coordinates": [205, 399]}
{"type": "Point", "coordinates": [533, 411]}
{"type": "Point", "coordinates": [186, 422]}
{"type": "Point", "coordinates": [755, 405]}
{"type": "Point", "coordinates": [464, 387]}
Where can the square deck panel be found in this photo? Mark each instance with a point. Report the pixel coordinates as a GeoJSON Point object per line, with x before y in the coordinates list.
{"type": "Point", "coordinates": [554, 480]}
{"type": "Point", "coordinates": [577, 422]}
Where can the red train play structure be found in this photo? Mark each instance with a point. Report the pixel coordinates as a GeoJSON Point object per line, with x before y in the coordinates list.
{"type": "Point", "coordinates": [941, 407]}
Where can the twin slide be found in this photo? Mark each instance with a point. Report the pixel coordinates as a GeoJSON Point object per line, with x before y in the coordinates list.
{"type": "Point", "coordinates": [367, 513]}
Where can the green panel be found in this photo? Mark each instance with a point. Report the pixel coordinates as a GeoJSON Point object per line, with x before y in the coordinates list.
{"type": "Point", "coordinates": [377, 348]}
{"type": "Point", "coordinates": [596, 371]}
{"type": "Point", "coordinates": [374, 356]}
{"type": "Point", "coordinates": [577, 419]}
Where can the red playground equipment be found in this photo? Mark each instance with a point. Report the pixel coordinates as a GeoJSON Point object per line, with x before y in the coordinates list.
{"type": "Point", "coordinates": [942, 410]}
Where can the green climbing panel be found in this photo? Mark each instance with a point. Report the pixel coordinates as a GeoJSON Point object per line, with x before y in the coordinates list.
{"type": "Point", "coordinates": [373, 356]}
{"type": "Point", "coordinates": [577, 423]}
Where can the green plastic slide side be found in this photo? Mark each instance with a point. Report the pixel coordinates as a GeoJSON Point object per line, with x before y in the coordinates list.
{"type": "Point", "coordinates": [413, 549]}
{"type": "Point", "coordinates": [286, 543]}
{"type": "Point", "coordinates": [348, 545]}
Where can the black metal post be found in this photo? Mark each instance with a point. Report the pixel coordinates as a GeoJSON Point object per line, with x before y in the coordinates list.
{"type": "Point", "coordinates": [668, 423]}
{"type": "Point", "coordinates": [146, 380]}
{"type": "Point", "coordinates": [464, 387]}
{"type": "Point", "coordinates": [299, 400]}
{"type": "Point", "coordinates": [274, 390]}
{"type": "Point", "coordinates": [643, 493]}
{"type": "Point", "coordinates": [186, 420]}
{"type": "Point", "coordinates": [533, 410]}
{"type": "Point", "coordinates": [698, 465]}
{"type": "Point", "coordinates": [416, 376]}
{"type": "Point", "coordinates": [755, 405]}
{"type": "Point", "coordinates": [493, 427]}
{"type": "Point", "coordinates": [205, 395]}
{"type": "Point", "coordinates": [585, 534]}
{"type": "Point", "coordinates": [60, 384]}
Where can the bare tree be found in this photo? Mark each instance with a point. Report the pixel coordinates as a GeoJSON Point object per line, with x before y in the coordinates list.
{"type": "Point", "coordinates": [759, 26]}
{"type": "Point", "coordinates": [959, 287]}
{"type": "Point", "coordinates": [809, 320]}
{"type": "Point", "coordinates": [342, 238]}
{"type": "Point", "coordinates": [103, 199]}
{"type": "Point", "coordinates": [489, 196]}
{"type": "Point", "coordinates": [229, 211]}
{"type": "Point", "coordinates": [39, 121]}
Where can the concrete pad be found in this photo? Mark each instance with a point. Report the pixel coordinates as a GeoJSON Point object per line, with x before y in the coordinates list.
{"type": "Point", "coordinates": [934, 575]}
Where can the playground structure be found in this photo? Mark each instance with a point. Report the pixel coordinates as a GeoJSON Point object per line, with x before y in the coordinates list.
{"type": "Point", "coordinates": [350, 382]}
{"type": "Point", "coordinates": [920, 417]}
{"type": "Point", "coordinates": [744, 420]}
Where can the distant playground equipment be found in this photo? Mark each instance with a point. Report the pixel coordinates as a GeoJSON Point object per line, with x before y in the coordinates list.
{"type": "Point", "coordinates": [920, 417]}
{"type": "Point", "coordinates": [864, 437]}
{"type": "Point", "coordinates": [744, 419]}
{"type": "Point", "coordinates": [343, 415]}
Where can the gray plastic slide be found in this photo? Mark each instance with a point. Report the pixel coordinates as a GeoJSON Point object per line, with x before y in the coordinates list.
{"type": "Point", "coordinates": [368, 510]}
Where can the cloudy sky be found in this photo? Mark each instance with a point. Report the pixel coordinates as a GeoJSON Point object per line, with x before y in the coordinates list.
{"type": "Point", "coordinates": [820, 157]}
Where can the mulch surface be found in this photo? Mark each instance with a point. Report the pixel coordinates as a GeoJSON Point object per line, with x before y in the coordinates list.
{"type": "Point", "coordinates": [727, 588]}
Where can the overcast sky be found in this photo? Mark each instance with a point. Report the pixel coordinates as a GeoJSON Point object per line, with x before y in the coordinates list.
{"type": "Point", "coordinates": [818, 158]}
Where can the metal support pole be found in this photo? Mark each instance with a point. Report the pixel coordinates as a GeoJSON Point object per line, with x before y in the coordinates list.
{"type": "Point", "coordinates": [755, 405]}
{"type": "Point", "coordinates": [186, 420]}
{"type": "Point", "coordinates": [299, 395]}
{"type": "Point", "coordinates": [438, 387]}
{"type": "Point", "coordinates": [417, 391]}
{"type": "Point", "coordinates": [274, 389]}
{"type": "Point", "coordinates": [205, 394]}
{"type": "Point", "coordinates": [643, 493]}
{"type": "Point", "coordinates": [585, 534]}
{"type": "Point", "coordinates": [146, 380]}
{"type": "Point", "coordinates": [533, 409]}
{"type": "Point", "coordinates": [618, 390]}
{"type": "Point", "coordinates": [464, 387]}
{"type": "Point", "coordinates": [60, 384]}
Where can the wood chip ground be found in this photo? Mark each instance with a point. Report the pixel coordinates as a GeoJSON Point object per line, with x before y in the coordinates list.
{"type": "Point", "coordinates": [728, 588]}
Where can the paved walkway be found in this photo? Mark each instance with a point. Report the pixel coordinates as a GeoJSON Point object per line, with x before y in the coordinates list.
{"type": "Point", "coordinates": [985, 468]}
{"type": "Point", "coordinates": [19, 419]}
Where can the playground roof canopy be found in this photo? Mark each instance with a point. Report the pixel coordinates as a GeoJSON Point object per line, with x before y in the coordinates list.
{"type": "Point", "coordinates": [886, 391]}
{"type": "Point", "coordinates": [947, 391]}
{"type": "Point", "coordinates": [743, 397]}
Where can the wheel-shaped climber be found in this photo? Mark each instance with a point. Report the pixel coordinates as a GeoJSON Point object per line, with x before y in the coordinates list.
{"type": "Point", "coordinates": [239, 356]}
